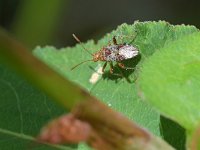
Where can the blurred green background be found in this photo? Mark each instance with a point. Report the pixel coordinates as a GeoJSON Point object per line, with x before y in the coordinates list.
{"type": "Point", "coordinates": [52, 22]}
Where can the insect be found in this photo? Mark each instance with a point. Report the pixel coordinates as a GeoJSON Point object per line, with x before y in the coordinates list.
{"type": "Point", "coordinates": [112, 53]}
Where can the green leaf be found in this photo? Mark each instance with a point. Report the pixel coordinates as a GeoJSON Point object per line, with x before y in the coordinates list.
{"type": "Point", "coordinates": [170, 81]}
{"type": "Point", "coordinates": [24, 110]}
{"type": "Point", "coordinates": [120, 96]}
{"type": "Point", "coordinates": [114, 91]}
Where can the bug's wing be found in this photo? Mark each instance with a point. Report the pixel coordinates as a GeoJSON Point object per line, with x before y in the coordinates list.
{"type": "Point", "coordinates": [128, 51]}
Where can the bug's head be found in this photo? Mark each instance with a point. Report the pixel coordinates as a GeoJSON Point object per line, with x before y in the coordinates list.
{"type": "Point", "coordinates": [96, 56]}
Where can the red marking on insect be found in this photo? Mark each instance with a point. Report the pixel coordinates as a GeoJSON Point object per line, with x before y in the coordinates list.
{"type": "Point", "coordinates": [111, 53]}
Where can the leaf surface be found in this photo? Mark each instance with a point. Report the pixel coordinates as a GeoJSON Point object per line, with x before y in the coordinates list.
{"type": "Point", "coordinates": [170, 81]}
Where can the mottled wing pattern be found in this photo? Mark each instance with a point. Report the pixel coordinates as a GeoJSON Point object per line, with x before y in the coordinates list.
{"type": "Point", "coordinates": [128, 51]}
{"type": "Point", "coordinates": [120, 52]}
{"type": "Point", "coordinates": [111, 53]}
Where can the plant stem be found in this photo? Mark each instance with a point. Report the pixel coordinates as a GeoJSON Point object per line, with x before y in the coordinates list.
{"type": "Point", "coordinates": [38, 73]}
{"type": "Point", "coordinates": [112, 131]}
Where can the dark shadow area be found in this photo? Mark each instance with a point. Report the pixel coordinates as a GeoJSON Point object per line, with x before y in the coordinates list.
{"type": "Point", "coordinates": [92, 19]}
{"type": "Point", "coordinates": [173, 133]}
{"type": "Point", "coordinates": [119, 73]}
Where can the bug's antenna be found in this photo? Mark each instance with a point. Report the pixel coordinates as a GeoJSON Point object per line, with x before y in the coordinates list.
{"type": "Point", "coordinates": [77, 39]}
{"type": "Point", "coordinates": [80, 64]}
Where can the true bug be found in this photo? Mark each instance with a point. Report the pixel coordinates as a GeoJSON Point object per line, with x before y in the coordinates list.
{"type": "Point", "coordinates": [113, 52]}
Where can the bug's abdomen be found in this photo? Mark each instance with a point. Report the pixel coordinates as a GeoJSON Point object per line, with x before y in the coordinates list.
{"type": "Point", "coordinates": [120, 52]}
{"type": "Point", "coordinates": [128, 51]}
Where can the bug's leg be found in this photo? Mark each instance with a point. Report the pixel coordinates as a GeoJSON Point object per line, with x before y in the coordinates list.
{"type": "Point", "coordinates": [111, 67]}
{"type": "Point", "coordinates": [123, 67]}
{"type": "Point", "coordinates": [116, 74]}
{"type": "Point", "coordinates": [114, 40]}
{"type": "Point", "coordinates": [122, 75]}
{"type": "Point", "coordinates": [104, 66]}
